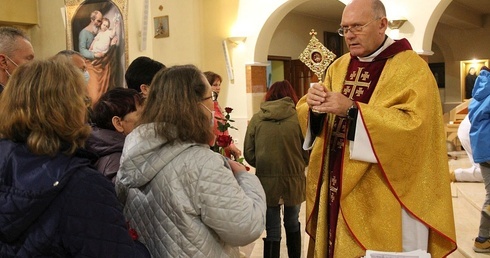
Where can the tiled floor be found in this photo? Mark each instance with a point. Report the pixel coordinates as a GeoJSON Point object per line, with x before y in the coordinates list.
{"type": "Point", "coordinates": [467, 200]}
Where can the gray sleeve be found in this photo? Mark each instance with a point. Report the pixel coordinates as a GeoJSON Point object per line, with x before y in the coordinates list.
{"type": "Point", "coordinates": [233, 207]}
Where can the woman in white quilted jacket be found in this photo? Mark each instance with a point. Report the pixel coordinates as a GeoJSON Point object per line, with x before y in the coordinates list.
{"type": "Point", "coordinates": [183, 199]}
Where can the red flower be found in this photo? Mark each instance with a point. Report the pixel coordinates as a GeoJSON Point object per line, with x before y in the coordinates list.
{"type": "Point", "coordinates": [223, 140]}
{"type": "Point", "coordinates": [132, 232]}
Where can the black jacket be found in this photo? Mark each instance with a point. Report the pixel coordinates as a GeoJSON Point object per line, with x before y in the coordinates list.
{"type": "Point", "coordinates": [59, 207]}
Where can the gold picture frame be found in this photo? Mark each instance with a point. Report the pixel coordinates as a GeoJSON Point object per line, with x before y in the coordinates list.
{"type": "Point", "coordinates": [465, 71]}
{"type": "Point", "coordinates": [161, 26]}
{"type": "Point", "coordinates": [107, 62]}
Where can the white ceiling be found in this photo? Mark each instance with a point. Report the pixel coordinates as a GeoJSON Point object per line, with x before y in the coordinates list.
{"type": "Point", "coordinates": [461, 14]}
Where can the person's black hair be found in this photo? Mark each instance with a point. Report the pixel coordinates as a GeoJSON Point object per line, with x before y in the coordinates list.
{"type": "Point", "coordinates": [141, 71]}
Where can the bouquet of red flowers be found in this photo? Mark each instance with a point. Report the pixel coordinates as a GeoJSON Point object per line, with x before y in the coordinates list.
{"type": "Point", "coordinates": [224, 140]}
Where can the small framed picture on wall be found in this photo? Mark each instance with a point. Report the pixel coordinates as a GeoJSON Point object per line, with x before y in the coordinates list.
{"type": "Point", "coordinates": [438, 71]}
{"type": "Point", "coordinates": [470, 69]}
{"type": "Point", "coordinates": [161, 26]}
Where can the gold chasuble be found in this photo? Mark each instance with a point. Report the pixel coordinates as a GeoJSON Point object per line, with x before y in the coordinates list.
{"type": "Point", "coordinates": [353, 206]}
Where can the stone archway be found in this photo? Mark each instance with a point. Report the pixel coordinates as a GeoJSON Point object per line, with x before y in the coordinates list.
{"type": "Point", "coordinates": [420, 32]}
{"type": "Point", "coordinates": [432, 23]}
{"type": "Point", "coordinates": [255, 77]}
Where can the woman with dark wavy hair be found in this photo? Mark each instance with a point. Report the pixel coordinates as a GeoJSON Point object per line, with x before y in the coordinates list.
{"type": "Point", "coordinates": [53, 203]}
{"type": "Point", "coordinates": [184, 199]}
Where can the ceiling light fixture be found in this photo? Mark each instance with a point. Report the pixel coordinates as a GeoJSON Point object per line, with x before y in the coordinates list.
{"type": "Point", "coordinates": [396, 24]}
{"type": "Point", "coordinates": [237, 40]}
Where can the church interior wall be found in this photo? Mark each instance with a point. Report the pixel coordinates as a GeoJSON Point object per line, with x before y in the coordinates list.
{"type": "Point", "coordinates": [19, 11]}
{"type": "Point", "coordinates": [459, 45]}
{"type": "Point", "coordinates": [218, 18]}
{"type": "Point", "coordinates": [197, 29]}
{"type": "Point", "coordinates": [292, 34]}
{"type": "Point", "coordinates": [49, 36]}
{"type": "Point", "coordinates": [183, 46]}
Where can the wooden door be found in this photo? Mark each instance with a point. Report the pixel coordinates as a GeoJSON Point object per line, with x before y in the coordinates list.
{"type": "Point", "coordinates": [302, 77]}
{"type": "Point", "coordinates": [297, 73]}
{"type": "Point", "coordinates": [286, 64]}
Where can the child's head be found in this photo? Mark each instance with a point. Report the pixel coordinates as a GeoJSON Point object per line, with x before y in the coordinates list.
{"type": "Point", "coordinates": [106, 24]}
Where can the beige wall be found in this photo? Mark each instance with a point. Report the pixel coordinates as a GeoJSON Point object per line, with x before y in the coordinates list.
{"type": "Point", "coordinates": [183, 44]}
{"type": "Point", "coordinates": [294, 29]}
{"type": "Point", "coordinates": [49, 37]}
{"type": "Point", "coordinates": [18, 11]}
{"type": "Point", "coordinates": [218, 17]}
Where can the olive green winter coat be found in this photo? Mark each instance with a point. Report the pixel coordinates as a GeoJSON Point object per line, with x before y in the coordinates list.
{"type": "Point", "coordinates": [273, 145]}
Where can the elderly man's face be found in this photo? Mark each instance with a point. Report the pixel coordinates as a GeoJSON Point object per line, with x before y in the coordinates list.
{"type": "Point", "coordinates": [98, 20]}
{"type": "Point", "coordinates": [371, 32]}
{"type": "Point", "coordinates": [22, 54]}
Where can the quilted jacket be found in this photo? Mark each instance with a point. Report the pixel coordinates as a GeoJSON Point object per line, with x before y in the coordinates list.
{"type": "Point", "coordinates": [184, 200]}
{"type": "Point", "coordinates": [59, 207]}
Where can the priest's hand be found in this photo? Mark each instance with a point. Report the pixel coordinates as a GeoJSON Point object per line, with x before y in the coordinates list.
{"type": "Point", "coordinates": [321, 100]}
{"type": "Point", "coordinates": [316, 95]}
{"type": "Point", "coordinates": [335, 103]}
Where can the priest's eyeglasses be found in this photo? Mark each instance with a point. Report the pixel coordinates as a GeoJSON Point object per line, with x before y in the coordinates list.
{"type": "Point", "coordinates": [354, 29]}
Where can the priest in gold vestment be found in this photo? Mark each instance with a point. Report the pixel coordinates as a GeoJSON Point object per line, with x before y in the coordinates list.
{"type": "Point", "coordinates": [377, 177]}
